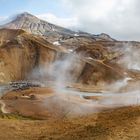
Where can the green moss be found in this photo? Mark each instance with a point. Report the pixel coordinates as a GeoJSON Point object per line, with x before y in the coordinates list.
{"type": "Point", "coordinates": [15, 117]}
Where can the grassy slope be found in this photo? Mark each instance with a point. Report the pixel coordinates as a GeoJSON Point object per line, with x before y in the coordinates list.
{"type": "Point", "coordinates": [117, 124]}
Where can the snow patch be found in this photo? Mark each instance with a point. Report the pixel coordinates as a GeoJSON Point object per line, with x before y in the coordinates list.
{"type": "Point", "coordinates": [90, 58]}
{"type": "Point", "coordinates": [56, 43]}
{"type": "Point", "coordinates": [136, 67]}
{"type": "Point", "coordinates": [53, 29]}
{"type": "Point", "coordinates": [70, 50]}
{"type": "Point", "coordinates": [76, 35]}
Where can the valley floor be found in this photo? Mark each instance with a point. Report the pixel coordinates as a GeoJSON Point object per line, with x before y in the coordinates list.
{"type": "Point", "coordinates": [122, 123]}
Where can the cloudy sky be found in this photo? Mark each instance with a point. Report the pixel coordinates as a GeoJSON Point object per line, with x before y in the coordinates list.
{"type": "Point", "coordinates": [118, 18]}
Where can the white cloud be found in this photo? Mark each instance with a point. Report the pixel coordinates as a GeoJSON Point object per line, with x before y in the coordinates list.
{"type": "Point", "coordinates": [119, 18]}
{"type": "Point", "coordinates": [64, 22]}
{"type": "Point", "coordinates": [1, 17]}
{"type": "Point", "coordinates": [2, 20]}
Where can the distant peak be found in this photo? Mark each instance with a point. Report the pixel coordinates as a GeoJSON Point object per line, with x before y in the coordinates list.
{"type": "Point", "coordinates": [26, 14]}
{"type": "Point", "coordinates": [104, 35]}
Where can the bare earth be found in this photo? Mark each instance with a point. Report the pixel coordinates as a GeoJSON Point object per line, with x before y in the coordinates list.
{"type": "Point", "coordinates": [96, 65]}
{"type": "Point", "coordinates": [123, 123]}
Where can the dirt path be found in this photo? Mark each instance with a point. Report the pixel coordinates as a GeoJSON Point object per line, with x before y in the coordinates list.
{"type": "Point", "coordinates": [3, 105]}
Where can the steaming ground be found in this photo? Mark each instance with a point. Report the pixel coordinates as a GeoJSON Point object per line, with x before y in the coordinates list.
{"type": "Point", "coordinates": [43, 102]}
{"type": "Point", "coordinates": [131, 57]}
{"type": "Point", "coordinates": [88, 88]}
{"type": "Point", "coordinates": [58, 96]}
{"type": "Point", "coordinates": [82, 103]}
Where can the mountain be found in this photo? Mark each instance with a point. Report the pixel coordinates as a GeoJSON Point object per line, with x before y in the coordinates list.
{"type": "Point", "coordinates": [39, 44]}
{"type": "Point", "coordinates": [34, 25]}
{"type": "Point", "coordinates": [35, 52]}
{"type": "Point", "coordinates": [40, 62]}
{"type": "Point", "coordinates": [20, 53]}
{"type": "Point", "coordinates": [60, 84]}
{"type": "Point", "coordinates": [104, 36]}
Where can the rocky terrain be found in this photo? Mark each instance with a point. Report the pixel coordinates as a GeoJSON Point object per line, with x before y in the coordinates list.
{"type": "Point", "coordinates": [98, 51]}
{"type": "Point", "coordinates": [35, 52]}
{"type": "Point", "coordinates": [49, 73]}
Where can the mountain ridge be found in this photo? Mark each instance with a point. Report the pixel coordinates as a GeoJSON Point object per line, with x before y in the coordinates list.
{"type": "Point", "coordinates": [34, 25]}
